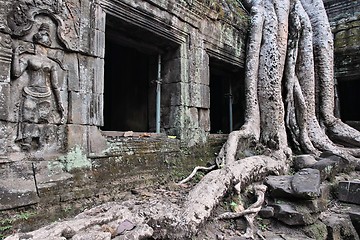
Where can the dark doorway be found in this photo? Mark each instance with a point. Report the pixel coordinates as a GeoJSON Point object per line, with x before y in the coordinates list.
{"type": "Point", "coordinates": [126, 88]}
{"type": "Point", "coordinates": [131, 73]}
{"type": "Point", "coordinates": [349, 99]}
{"type": "Point", "coordinates": [226, 88]}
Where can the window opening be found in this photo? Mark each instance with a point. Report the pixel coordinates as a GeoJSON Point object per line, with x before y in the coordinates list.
{"type": "Point", "coordinates": [135, 60]}
{"type": "Point", "coordinates": [349, 98]}
{"type": "Point", "coordinates": [227, 97]}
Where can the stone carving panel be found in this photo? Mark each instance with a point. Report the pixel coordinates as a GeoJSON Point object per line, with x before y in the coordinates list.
{"type": "Point", "coordinates": [48, 55]}
{"type": "Point", "coordinates": [21, 19]}
{"type": "Point", "coordinates": [79, 22]}
{"type": "Point", "coordinates": [39, 101]}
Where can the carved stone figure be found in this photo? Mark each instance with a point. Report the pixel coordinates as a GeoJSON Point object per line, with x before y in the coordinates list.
{"type": "Point", "coordinates": [41, 95]}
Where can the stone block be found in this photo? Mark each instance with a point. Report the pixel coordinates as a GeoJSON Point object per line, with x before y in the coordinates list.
{"type": "Point", "coordinates": [98, 17]}
{"type": "Point", "coordinates": [317, 230]}
{"type": "Point", "coordinates": [194, 118]}
{"type": "Point", "coordinates": [97, 43]}
{"type": "Point", "coordinates": [325, 191]}
{"type": "Point", "coordinates": [72, 64]}
{"type": "Point", "coordinates": [199, 67]}
{"type": "Point", "coordinates": [58, 56]}
{"type": "Point", "coordinates": [355, 219]}
{"type": "Point", "coordinates": [204, 119]}
{"type": "Point", "coordinates": [17, 185]}
{"type": "Point", "coordinates": [327, 167]}
{"type": "Point", "coordinates": [96, 110]}
{"type": "Point", "coordinates": [280, 186]}
{"type": "Point", "coordinates": [77, 136]}
{"type": "Point", "coordinates": [4, 101]}
{"type": "Point", "coordinates": [266, 212]}
{"type": "Point", "coordinates": [315, 206]}
{"type": "Point", "coordinates": [303, 161]}
{"type": "Point", "coordinates": [86, 73]}
{"type": "Point", "coordinates": [342, 163]}
{"type": "Point", "coordinates": [79, 107]}
{"type": "Point", "coordinates": [165, 118]}
{"type": "Point", "coordinates": [199, 96]}
{"type": "Point", "coordinates": [176, 54]}
{"type": "Point", "coordinates": [98, 84]}
{"type": "Point", "coordinates": [290, 215]}
{"type": "Point", "coordinates": [53, 138]}
{"type": "Point", "coordinates": [49, 175]}
{"type": "Point", "coordinates": [172, 94]}
{"type": "Point", "coordinates": [64, 95]}
{"type": "Point", "coordinates": [339, 226]}
{"type": "Point", "coordinates": [172, 70]}
{"type": "Point", "coordinates": [85, 26]}
{"type": "Point", "coordinates": [7, 139]}
{"type": "Point", "coordinates": [306, 183]}
{"type": "Point", "coordinates": [97, 142]}
{"type": "Point", "coordinates": [349, 191]}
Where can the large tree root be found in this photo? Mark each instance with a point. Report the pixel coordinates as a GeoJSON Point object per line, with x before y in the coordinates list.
{"type": "Point", "coordinates": [192, 174]}
{"type": "Point", "coordinates": [203, 198]}
{"type": "Point", "coordinates": [253, 208]}
{"type": "Point", "coordinates": [289, 47]}
{"type": "Point", "coordinates": [250, 213]}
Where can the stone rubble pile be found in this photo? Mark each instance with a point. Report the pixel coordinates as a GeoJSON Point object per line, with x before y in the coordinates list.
{"type": "Point", "coordinates": [302, 199]}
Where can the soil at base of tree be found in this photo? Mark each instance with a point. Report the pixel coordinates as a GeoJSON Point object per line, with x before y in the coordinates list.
{"type": "Point", "coordinates": [136, 199]}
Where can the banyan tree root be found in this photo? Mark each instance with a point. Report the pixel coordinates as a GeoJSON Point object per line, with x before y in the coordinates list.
{"type": "Point", "coordinates": [289, 94]}
{"type": "Point", "coordinates": [290, 41]}
{"type": "Point", "coordinates": [249, 213]}
{"type": "Point", "coordinates": [192, 174]}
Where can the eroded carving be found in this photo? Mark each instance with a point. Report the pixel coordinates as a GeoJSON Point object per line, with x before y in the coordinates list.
{"type": "Point", "coordinates": [21, 18]}
{"type": "Point", "coordinates": [20, 21]}
{"type": "Point", "coordinates": [41, 100]}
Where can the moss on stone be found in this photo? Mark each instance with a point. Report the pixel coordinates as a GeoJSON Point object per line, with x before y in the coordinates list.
{"type": "Point", "coordinates": [75, 159]}
{"type": "Point", "coordinates": [317, 231]}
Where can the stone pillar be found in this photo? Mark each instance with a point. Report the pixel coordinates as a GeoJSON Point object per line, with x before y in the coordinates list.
{"type": "Point", "coordinates": [198, 107]}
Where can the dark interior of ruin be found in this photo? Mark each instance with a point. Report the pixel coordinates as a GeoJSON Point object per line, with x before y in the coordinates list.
{"type": "Point", "coordinates": [222, 75]}
{"type": "Point", "coordinates": [349, 99]}
{"type": "Point", "coordinates": [131, 64]}
{"type": "Point", "coordinates": [126, 88]}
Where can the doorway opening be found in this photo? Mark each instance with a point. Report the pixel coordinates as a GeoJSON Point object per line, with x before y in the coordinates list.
{"type": "Point", "coordinates": [227, 97]}
{"type": "Point", "coordinates": [349, 97]}
{"type": "Point", "coordinates": [126, 89]}
{"type": "Point", "coordinates": [131, 76]}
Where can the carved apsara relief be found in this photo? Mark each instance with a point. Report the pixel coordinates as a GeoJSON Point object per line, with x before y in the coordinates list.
{"type": "Point", "coordinates": [41, 95]}
{"type": "Point", "coordinates": [38, 75]}
{"type": "Point", "coordinates": [47, 56]}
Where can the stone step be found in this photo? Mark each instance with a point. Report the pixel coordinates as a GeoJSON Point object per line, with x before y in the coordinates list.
{"type": "Point", "coordinates": [349, 191]}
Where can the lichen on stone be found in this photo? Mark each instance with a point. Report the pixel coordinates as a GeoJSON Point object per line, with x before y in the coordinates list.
{"type": "Point", "coordinates": [75, 159]}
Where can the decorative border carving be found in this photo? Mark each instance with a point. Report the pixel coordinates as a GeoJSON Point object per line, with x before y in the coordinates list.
{"type": "Point", "coordinates": [21, 23]}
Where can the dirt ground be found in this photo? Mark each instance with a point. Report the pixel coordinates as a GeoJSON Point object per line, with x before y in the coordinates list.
{"type": "Point", "coordinates": [269, 229]}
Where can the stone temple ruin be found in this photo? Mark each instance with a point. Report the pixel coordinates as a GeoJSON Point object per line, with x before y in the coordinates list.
{"type": "Point", "coordinates": [101, 93]}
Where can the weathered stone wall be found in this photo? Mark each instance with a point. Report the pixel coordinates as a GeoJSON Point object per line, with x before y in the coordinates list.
{"type": "Point", "coordinates": [52, 153]}
{"type": "Point", "coordinates": [200, 32]}
{"type": "Point", "coordinates": [73, 102]}
{"type": "Point", "coordinates": [44, 191]}
{"type": "Point", "coordinates": [344, 17]}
